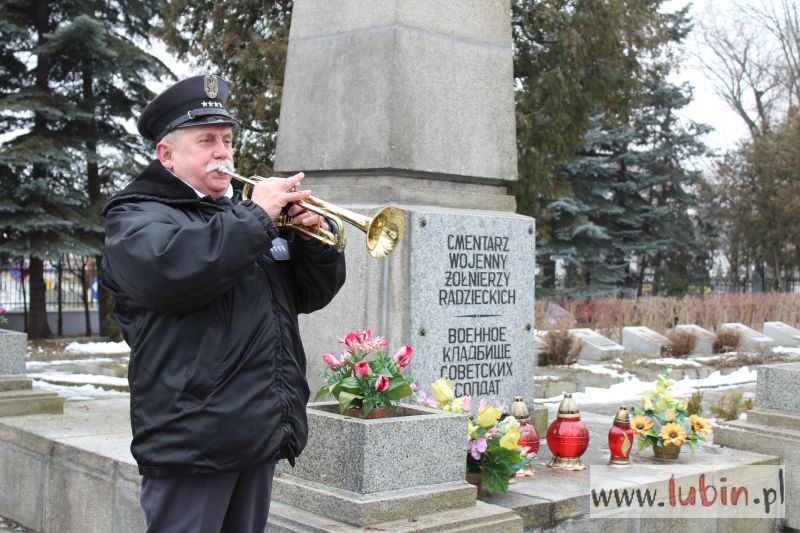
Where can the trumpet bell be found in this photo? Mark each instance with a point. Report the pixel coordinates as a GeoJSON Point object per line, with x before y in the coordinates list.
{"type": "Point", "coordinates": [385, 231]}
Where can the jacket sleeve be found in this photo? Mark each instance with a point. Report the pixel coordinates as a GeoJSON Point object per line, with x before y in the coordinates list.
{"type": "Point", "coordinates": [175, 266]}
{"type": "Point", "coordinates": [319, 273]}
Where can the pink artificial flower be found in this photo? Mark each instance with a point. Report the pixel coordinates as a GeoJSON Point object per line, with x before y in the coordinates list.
{"type": "Point", "coordinates": [414, 387]}
{"type": "Point", "coordinates": [426, 401]}
{"type": "Point", "coordinates": [356, 339]}
{"type": "Point", "coordinates": [382, 383]}
{"type": "Point", "coordinates": [362, 369]}
{"type": "Point", "coordinates": [346, 354]}
{"type": "Point", "coordinates": [331, 360]}
{"type": "Point", "coordinates": [466, 403]}
{"type": "Point", "coordinates": [476, 447]}
{"type": "Point", "coordinates": [2, 309]}
{"type": "Point", "coordinates": [378, 343]}
{"type": "Point", "coordinates": [402, 357]}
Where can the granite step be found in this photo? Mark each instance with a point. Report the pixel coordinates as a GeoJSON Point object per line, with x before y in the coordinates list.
{"type": "Point", "coordinates": [30, 402]}
{"type": "Point", "coordinates": [476, 519]}
{"type": "Point", "coordinates": [15, 383]}
{"type": "Point", "coordinates": [770, 417]}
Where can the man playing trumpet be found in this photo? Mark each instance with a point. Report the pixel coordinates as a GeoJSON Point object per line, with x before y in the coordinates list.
{"type": "Point", "coordinates": [207, 291]}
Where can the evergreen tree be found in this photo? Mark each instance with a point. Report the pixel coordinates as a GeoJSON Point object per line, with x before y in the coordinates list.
{"type": "Point", "coordinates": [70, 76]}
{"type": "Point", "coordinates": [573, 58]}
{"type": "Point", "coordinates": [630, 196]}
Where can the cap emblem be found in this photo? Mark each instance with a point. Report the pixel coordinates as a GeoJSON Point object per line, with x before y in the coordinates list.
{"type": "Point", "coordinates": [211, 86]}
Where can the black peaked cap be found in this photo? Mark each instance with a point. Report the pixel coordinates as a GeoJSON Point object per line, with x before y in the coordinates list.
{"type": "Point", "coordinates": [190, 102]}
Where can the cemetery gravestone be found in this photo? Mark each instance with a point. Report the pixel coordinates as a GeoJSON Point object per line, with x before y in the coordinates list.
{"type": "Point", "coordinates": [642, 340]}
{"type": "Point", "coordinates": [705, 339]}
{"type": "Point", "coordinates": [751, 339]}
{"type": "Point", "coordinates": [17, 396]}
{"type": "Point", "coordinates": [783, 334]}
{"type": "Point", "coordinates": [772, 427]}
{"type": "Point", "coordinates": [595, 346]}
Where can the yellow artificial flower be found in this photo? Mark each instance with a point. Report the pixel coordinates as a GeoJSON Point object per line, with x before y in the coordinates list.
{"type": "Point", "coordinates": [672, 434]}
{"type": "Point", "coordinates": [669, 415]}
{"type": "Point", "coordinates": [442, 391]}
{"type": "Point", "coordinates": [668, 397]}
{"type": "Point", "coordinates": [641, 424]}
{"type": "Point", "coordinates": [647, 404]}
{"type": "Point", "coordinates": [700, 424]}
{"type": "Point", "coordinates": [510, 440]}
{"type": "Point", "coordinates": [471, 428]}
{"type": "Point", "coordinates": [684, 405]}
{"type": "Point", "coordinates": [669, 382]}
{"type": "Point", "coordinates": [487, 417]}
{"type": "Point", "coordinates": [457, 405]}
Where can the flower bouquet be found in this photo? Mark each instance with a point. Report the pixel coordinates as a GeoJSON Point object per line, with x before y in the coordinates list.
{"type": "Point", "coordinates": [492, 437]}
{"type": "Point", "coordinates": [364, 376]}
{"type": "Point", "coordinates": [663, 423]}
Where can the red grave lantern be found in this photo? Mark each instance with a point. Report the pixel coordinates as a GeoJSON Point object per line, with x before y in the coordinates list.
{"type": "Point", "coordinates": [528, 436]}
{"type": "Point", "coordinates": [620, 438]}
{"type": "Point", "coordinates": [567, 436]}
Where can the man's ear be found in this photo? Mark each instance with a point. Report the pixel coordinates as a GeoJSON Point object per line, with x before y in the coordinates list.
{"type": "Point", "coordinates": [164, 154]}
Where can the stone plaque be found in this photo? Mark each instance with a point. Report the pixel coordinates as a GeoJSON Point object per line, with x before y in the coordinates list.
{"type": "Point", "coordinates": [472, 302]}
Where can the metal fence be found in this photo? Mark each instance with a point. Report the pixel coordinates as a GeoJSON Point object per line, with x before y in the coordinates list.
{"type": "Point", "coordinates": [77, 275]}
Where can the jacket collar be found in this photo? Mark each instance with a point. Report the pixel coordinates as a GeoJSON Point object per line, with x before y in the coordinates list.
{"type": "Point", "coordinates": [154, 184]}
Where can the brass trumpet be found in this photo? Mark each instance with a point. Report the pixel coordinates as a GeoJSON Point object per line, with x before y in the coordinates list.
{"type": "Point", "coordinates": [383, 231]}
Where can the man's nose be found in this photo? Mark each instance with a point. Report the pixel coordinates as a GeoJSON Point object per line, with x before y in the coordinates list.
{"type": "Point", "coordinates": [222, 151]}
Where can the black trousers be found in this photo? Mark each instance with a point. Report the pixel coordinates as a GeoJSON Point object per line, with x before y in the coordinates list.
{"type": "Point", "coordinates": [236, 502]}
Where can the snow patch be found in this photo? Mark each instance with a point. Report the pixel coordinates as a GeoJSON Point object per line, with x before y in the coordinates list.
{"type": "Point", "coordinates": [120, 347]}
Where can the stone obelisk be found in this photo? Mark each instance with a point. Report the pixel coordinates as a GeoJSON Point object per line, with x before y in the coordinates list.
{"type": "Point", "coordinates": [411, 103]}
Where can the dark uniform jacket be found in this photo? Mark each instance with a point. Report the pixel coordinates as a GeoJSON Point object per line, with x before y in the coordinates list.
{"type": "Point", "coordinates": [217, 368]}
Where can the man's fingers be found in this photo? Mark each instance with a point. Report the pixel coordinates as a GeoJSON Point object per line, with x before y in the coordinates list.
{"type": "Point", "coordinates": [296, 196]}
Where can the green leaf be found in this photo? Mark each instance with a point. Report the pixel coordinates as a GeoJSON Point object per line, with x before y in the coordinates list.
{"type": "Point", "coordinates": [398, 390]}
{"type": "Point", "coordinates": [346, 398]}
{"type": "Point", "coordinates": [321, 392]}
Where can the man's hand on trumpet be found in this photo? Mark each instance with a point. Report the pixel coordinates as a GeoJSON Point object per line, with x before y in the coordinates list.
{"type": "Point", "coordinates": [272, 194]}
{"type": "Point", "coordinates": [301, 217]}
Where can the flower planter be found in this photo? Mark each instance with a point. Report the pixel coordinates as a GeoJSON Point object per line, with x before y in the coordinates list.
{"type": "Point", "coordinates": [352, 468]}
{"type": "Point", "coordinates": [669, 452]}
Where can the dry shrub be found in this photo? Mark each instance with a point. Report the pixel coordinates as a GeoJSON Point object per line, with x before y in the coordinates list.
{"type": "Point", "coordinates": [610, 315]}
{"type": "Point", "coordinates": [733, 407]}
{"type": "Point", "coordinates": [681, 343]}
{"type": "Point", "coordinates": [726, 340]}
{"type": "Point", "coordinates": [560, 348]}
{"type": "Point", "coordinates": [695, 404]}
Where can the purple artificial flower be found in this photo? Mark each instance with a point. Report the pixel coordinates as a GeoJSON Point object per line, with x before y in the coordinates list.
{"type": "Point", "coordinates": [426, 401]}
{"type": "Point", "coordinates": [476, 447]}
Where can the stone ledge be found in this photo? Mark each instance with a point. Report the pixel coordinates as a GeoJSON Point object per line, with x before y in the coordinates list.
{"type": "Point", "coordinates": [478, 518]}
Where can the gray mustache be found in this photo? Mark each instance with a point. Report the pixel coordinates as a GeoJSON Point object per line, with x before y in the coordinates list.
{"type": "Point", "coordinates": [219, 165]}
